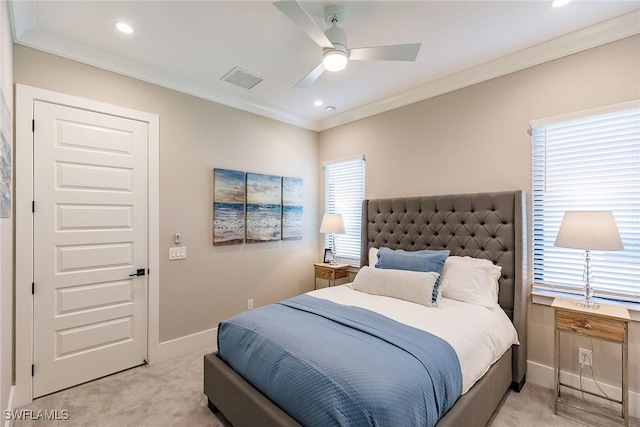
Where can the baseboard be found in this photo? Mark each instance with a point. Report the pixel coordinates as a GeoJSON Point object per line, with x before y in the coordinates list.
{"type": "Point", "coordinates": [9, 422]}
{"type": "Point", "coordinates": [543, 376]}
{"type": "Point", "coordinates": [185, 345]}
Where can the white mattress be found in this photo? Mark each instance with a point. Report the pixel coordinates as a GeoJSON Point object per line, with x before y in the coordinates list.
{"type": "Point", "coordinates": [478, 335]}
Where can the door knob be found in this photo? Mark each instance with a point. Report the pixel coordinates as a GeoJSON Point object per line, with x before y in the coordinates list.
{"type": "Point", "coordinates": [139, 272]}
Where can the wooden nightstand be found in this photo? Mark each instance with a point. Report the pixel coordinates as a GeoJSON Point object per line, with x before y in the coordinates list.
{"type": "Point", "coordinates": [607, 323]}
{"type": "Point", "coordinates": [330, 272]}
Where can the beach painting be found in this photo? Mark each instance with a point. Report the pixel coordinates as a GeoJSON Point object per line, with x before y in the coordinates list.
{"type": "Point", "coordinates": [228, 207]}
{"type": "Point", "coordinates": [264, 207]}
{"type": "Point", "coordinates": [292, 208]}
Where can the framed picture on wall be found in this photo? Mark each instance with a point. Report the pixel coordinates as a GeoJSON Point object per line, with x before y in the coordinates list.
{"type": "Point", "coordinates": [264, 207]}
{"type": "Point", "coordinates": [5, 158]}
{"type": "Point", "coordinates": [228, 207]}
{"type": "Point", "coordinates": [292, 202]}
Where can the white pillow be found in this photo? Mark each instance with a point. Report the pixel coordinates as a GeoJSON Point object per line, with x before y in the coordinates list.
{"type": "Point", "coordinates": [414, 286]}
{"type": "Point", "coordinates": [471, 280]}
{"type": "Point", "coordinates": [373, 256]}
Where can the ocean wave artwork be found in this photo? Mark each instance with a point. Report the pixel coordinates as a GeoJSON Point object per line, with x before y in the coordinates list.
{"type": "Point", "coordinates": [264, 208]}
{"type": "Point", "coordinates": [292, 202]}
{"type": "Point", "coordinates": [263, 222]}
{"type": "Point", "coordinates": [228, 207]}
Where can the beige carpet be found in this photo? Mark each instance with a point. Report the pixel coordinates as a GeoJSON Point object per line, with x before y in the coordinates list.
{"type": "Point", "coordinates": [170, 394]}
{"type": "Point", "coordinates": [533, 406]}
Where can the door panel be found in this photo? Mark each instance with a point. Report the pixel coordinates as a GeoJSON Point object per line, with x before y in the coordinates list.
{"type": "Point", "coordinates": [96, 295]}
{"type": "Point", "coordinates": [93, 217]}
{"type": "Point", "coordinates": [90, 237]}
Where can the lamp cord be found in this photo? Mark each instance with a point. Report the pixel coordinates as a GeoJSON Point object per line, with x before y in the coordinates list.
{"type": "Point", "coordinates": [592, 377]}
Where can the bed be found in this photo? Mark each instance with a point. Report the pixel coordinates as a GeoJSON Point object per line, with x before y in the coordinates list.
{"type": "Point", "coordinates": [485, 226]}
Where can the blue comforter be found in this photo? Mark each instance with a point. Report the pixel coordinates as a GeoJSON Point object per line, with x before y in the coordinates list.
{"type": "Point", "coordinates": [328, 364]}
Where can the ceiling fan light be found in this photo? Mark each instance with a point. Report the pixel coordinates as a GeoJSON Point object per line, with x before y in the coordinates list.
{"type": "Point", "coordinates": [334, 60]}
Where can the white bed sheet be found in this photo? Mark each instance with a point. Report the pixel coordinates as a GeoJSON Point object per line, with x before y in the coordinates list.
{"type": "Point", "coordinates": [478, 335]}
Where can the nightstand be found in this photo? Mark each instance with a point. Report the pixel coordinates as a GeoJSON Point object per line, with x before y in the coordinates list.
{"type": "Point", "coordinates": [607, 323]}
{"type": "Point", "coordinates": [330, 272]}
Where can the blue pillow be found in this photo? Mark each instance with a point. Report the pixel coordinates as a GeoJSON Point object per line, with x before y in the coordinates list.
{"type": "Point", "coordinates": [425, 260]}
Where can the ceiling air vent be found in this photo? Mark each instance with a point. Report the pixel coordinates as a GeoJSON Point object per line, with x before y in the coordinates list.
{"type": "Point", "coordinates": [242, 78]}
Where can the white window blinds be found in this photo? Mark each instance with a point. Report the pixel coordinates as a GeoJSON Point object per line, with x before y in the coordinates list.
{"type": "Point", "coordinates": [343, 194]}
{"type": "Point", "coordinates": [589, 163]}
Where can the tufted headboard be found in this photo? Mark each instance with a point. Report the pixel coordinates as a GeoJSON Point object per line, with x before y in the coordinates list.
{"type": "Point", "coordinates": [483, 225]}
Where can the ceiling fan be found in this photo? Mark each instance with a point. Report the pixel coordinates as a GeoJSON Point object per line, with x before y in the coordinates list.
{"type": "Point", "coordinates": [333, 42]}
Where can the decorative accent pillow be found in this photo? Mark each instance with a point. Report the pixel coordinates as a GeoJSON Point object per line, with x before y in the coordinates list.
{"type": "Point", "coordinates": [411, 286]}
{"type": "Point", "coordinates": [471, 280]}
{"type": "Point", "coordinates": [425, 260]}
{"type": "Point", "coordinates": [373, 256]}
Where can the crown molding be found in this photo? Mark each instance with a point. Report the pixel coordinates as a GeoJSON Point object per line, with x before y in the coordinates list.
{"type": "Point", "coordinates": [587, 38]}
{"type": "Point", "coordinates": [25, 33]}
{"type": "Point", "coordinates": [117, 64]}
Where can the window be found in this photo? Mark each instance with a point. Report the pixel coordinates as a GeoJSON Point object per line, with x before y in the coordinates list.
{"type": "Point", "coordinates": [587, 162]}
{"type": "Point", "coordinates": [343, 194]}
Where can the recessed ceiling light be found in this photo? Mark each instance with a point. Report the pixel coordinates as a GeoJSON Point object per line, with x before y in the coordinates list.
{"type": "Point", "coordinates": [559, 3]}
{"type": "Point", "coordinates": [124, 27]}
{"type": "Point", "coordinates": [330, 108]}
{"type": "Point", "coordinates": [317, 103]}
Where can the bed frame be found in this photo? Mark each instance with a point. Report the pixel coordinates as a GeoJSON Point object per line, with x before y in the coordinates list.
{"type": "Point", "coordinates": [483, 225]}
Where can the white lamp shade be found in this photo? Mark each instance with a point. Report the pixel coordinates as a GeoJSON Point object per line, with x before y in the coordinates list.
{"type": "Point", "coordinates": [332, 223]}
{"type": "Point", "coordinates": [589, 230]}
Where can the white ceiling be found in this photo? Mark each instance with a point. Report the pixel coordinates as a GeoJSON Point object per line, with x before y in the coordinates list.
{"type": "Point", "coordinates": [190, 45]}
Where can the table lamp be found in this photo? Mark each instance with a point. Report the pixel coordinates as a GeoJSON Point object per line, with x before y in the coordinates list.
{"type": "Point", "coordinates": [333, 224]}
{"type": "Point", "coordinates": [589, 230]}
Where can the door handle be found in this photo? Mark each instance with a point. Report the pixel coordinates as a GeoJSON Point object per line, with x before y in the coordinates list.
{"type": "Point", "coordinates": [139, 272]}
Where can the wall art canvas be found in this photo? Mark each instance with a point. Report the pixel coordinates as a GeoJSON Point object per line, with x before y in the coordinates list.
{"type": "Point", "coordinates": [264, 207]}
{"type": "Point", "coordinates": [292, 208]}
{"type": "Point", "coordinates": [228, 207]}
{"type": "Point", "coordinates": [5, 158]}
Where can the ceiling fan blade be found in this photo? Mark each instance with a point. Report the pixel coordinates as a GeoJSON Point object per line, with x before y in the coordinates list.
{"type": "Point", "coordinates": [311, 77]}
{"type": "Point", "coordinates": [398, 52]}
{"type": "Point", "coordinates": [301, 18]}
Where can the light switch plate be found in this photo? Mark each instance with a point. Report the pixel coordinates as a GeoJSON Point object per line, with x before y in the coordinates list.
{"type": "Point", "coordinates": [179, 252]}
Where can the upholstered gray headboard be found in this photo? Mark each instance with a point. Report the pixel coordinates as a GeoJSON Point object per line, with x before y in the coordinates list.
{"type": "Point", "coordinates": [483, 225]}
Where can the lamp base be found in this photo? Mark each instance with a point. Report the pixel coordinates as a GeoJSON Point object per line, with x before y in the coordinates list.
{"type": "Point", "coordinates": [587, 303]}
{"type": "Point", "coordinates": [333, 257]}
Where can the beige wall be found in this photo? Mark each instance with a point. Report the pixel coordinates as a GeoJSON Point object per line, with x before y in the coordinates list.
{"type": "Point", "coordinates": [195, 136]}
{"type": "Point", "coordinates": [475, 139]}
{"type": "Point", "coordinates": [6, 227]}
{"type": "Point", "coordinates": [470, 140]}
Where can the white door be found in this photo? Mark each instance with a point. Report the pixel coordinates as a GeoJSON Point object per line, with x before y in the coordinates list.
{"type": "Point", "coordinates": [90, 240]}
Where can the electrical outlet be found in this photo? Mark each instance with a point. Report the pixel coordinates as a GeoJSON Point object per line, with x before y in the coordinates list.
{"type": "Point", "coordinates": [584, 357]}
{"type": "Point", "coordinates": [250, 304]}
